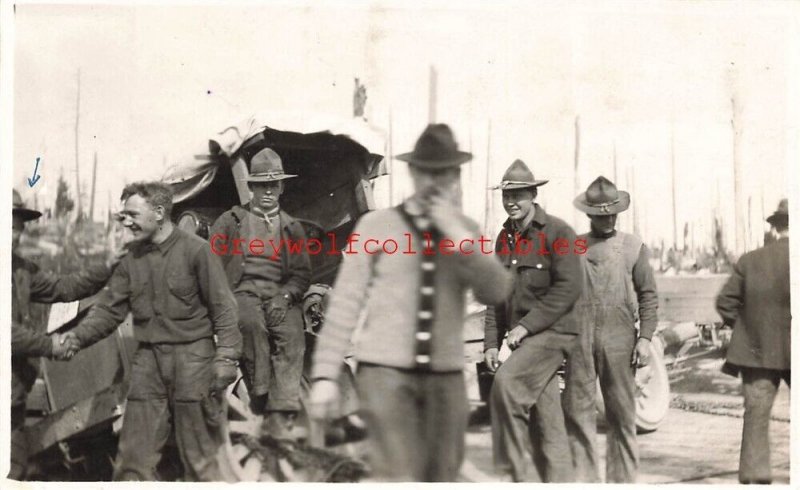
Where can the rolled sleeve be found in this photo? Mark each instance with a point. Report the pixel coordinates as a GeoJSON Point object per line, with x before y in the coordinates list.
{"type": "Point", "coordinates": [220, 302]}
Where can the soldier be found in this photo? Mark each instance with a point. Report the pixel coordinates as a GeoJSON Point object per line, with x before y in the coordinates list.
{"type": "Point", "coordinates": [756, 302]}
{"type": "Point", "coordinates": [28, 342]}
{"type": "Point", "coordinates": [176, 290]}
{"type": "Point", "coordinates": [269, 290]}
{"type": "Point", "coordinates": [539, 249]}
{"type": "Point", "coordinates": [410, 351]}
{"type": "Point", "coordinates": [618, 277]}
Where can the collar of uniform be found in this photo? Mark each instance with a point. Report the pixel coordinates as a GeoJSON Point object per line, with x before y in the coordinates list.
{"type": "Point", "coordinates": [164, 246]}
{"type": "Point", "coordinates": [536, 215]}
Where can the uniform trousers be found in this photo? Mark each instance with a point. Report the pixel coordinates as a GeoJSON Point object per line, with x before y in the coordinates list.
{"type": "Point", "coordinates": [518, 386]}
{"type": "Point", "coordinates": [272, 356]}
{"type": "Point", "coordinates": [759, 387]}
{"type": "Point", "coordinates": [169, 389]}
{"type": "Point", "coordinates": [604, 351]}
{"type": "Point", "coordinates": [416, 422]}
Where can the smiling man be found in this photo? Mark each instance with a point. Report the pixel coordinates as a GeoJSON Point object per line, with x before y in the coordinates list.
{"type": "Point", "coordinates": [269, 288]}
{"type": "Point", "coordinates": [176, 290]}
{"type": "Point", "coordinates": [541, 330]}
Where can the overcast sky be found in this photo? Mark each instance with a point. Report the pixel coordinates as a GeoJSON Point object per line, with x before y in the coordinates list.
{"type": "Point", "coordinates": [638, 77]}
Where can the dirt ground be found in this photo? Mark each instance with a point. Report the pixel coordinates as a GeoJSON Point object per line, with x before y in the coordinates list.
{"type": "Point", "coordinates": [698, 441]}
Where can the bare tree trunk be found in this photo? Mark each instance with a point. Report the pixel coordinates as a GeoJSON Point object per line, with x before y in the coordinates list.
{"type": "Point", "coordinates": [77, 158]}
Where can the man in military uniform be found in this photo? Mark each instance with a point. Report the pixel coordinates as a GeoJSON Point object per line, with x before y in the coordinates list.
{"type": "Point", "coordinates": [619, 287]}
{"type": "Point", "coordinates": [756, 301]}
{"type": "Point", "coordinates": [269, 288]}
{"type": "Point", "coordinates": [177, 293]}
{"type": "Point", "coordinates": [538, 249]}
{"type": "Point", "coordinates": [410, 351]}
{"type": "Point", "coordinates": [29, 342]}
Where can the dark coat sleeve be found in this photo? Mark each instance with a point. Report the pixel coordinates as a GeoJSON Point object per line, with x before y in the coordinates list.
{"type": "Point", "coordinates": [298, 265]}
{"type": "Point", "coordinates": [731, 298]}
{"type": "Point", "coordinates": [105, 317]}
{"type": "Point", "coordinates": [221, 235]}
{"type": "Point", "coordinates": [566, 284]}
{"type": "Point", "coordinates": [220, 302]}
{"type": "Point", "coordinates": [51, 288]}
{"type": "Point", "coordinates": [27, 342]}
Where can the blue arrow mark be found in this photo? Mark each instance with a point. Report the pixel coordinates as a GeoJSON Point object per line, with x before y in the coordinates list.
{"type": "Point", "coordinates": [33, 180]}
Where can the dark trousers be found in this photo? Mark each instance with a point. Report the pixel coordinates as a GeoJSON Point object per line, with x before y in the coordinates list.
{"type": "Point", "coordinates": [169, 388]}
{"type": "Point", "coordinates": [518, 386]}
{"type": "Point", "coordinates": [272, 357]}
{"type": "Point", "coordinates": [759, 387]}
{"type": "Point", "coordinates": [605, 353]}
{"type": "Point", "coordinates": [416, 422]}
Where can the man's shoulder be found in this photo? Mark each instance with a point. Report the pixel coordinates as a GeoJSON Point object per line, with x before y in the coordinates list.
{"type": "Point", "coordinates": [19, 262]}
{"type": "Point", "coordinates": [191, 242]}
{"type": "Point", "coordinates": [556, 223]}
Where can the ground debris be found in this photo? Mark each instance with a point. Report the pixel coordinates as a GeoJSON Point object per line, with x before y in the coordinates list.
{"type": "Point", "coordinates": [728, 409]}
{"type": "Point", "coordinates": [289, 461]}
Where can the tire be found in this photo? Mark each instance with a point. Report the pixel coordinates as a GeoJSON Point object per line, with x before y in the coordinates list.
{"type": "Point", "coordinates": [652, 392]}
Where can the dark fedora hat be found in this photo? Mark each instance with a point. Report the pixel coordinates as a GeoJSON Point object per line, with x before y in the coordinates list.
{"type": "Point", "coordinates": [266, 166]}
{"type": "Point", "coordinates": [20, 210]}
{"type": "Point", "coordinates": [602, 198]}
{"type": "Point", "coordinates": [781, 216]}
{"type": "Point", "coordinates": [519, 176]}
{"type": "Point", "coordinates": [436, 148]}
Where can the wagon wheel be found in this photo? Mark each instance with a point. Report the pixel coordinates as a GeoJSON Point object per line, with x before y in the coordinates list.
{"type": "Point", "coordinates": [239, 460]}
{"type": "Point", "coordinates": [652, 391]}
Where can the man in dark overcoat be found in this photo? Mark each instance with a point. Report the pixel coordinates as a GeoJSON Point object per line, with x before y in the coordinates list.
{"type": "Point", "coordinates": [756, 302]}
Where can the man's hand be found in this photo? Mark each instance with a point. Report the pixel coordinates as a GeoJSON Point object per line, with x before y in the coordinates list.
{"type": "Point", "coordinates": [225, 373]}
{"type": "Point", "coordinates": [641, 353]}
{"type": "Point", "coordinates": [65, 346]}
{"type": "Point", "coordinates": [515, 336]}
{"type": "Point", "coordinates": [323, 399]}
{"type": "Point", "coordinates": [275, 310]}
{"type": "Point", "coordinates": [490, 357]}
{"type": "Point", "coordinates": [447, 217]}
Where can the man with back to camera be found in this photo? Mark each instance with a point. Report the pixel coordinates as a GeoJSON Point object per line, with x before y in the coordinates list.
{"type": "Point", "coordinates": [756, 302]}
{"type": "Point", "coordinates": [619, 286]}
{"type": "Point", "coordinates": [410, 351]}
{"type": "Point", "coordinates": [179, 298]}
{"type": "Point", "coordinates": [28, 343]}
{"type": "Point", "coordinates": [541, 330]}
{"type": "Point", "coordinates": [269, 292]}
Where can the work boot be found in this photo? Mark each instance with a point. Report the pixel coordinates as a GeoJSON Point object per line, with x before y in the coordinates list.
{"type": "Point", "coordinates": [279, 425]}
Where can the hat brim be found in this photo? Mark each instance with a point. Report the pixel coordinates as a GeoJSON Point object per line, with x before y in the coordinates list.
{"type": "Point", "coordinates": [453, 160]}
{"type": "Point", "coordinates": [510, 186]}
{"type": "Point", "coordinates": [269, 178]}
{"type": "Point", "coordinates": [27, 214]}
{"type": "Point", "coordinates": [778, 219]}
{"type": "Point", "coordinates": [616, 208]}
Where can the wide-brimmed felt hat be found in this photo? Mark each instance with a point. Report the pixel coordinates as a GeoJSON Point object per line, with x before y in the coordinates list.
{"type": "Point", "coordinates": [436, 148]}
{"type": "Point", "coordinates": [266, 166]}
{"type": "Point", "coordinates": [519, 176]}
{"type": "Point", "coordinates": [781, 216]}
{"type": "Point", "coordinates": [602, 198]}
{"type": "Point", "coordinates": [19, 208]}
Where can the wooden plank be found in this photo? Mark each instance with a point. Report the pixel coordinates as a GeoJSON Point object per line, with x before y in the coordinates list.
{"type": "Point", "coordinates": [63, 424]}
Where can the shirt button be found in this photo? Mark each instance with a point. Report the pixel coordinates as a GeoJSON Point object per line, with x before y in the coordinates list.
{"type": "Point", "coordinates": [514, 261]}
{"type": "Point", "coordinates": [538, 266]}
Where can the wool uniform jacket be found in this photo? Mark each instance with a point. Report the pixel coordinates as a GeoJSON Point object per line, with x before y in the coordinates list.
{"type": "Point", "coordinates": [756, 301]}
{"type": "Point", "coordinates": [296, 267]}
